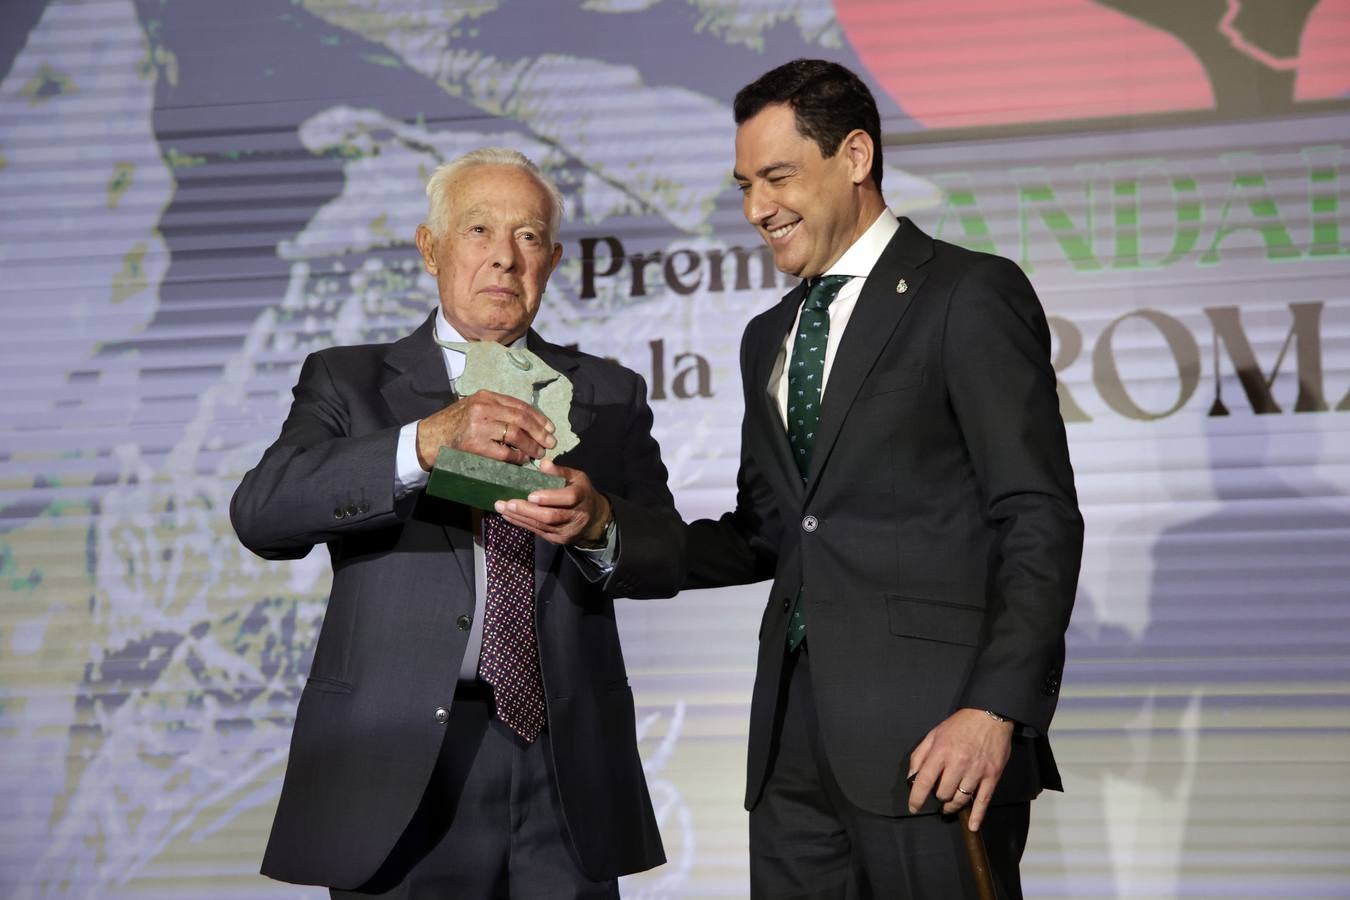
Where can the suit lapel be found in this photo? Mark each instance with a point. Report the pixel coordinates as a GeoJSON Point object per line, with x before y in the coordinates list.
{"type": "Point", "coordinates": [764, 375]}
{"type": "Point", "coordinates": [878, 312]}
{"type": "Point", "coordinates": [418, 384]}
{"type": "Point", "coordinates": [418, 387]}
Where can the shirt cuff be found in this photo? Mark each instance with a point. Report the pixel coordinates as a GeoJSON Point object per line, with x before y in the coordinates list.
{"type": "Point", "coordinates": [409, 475]}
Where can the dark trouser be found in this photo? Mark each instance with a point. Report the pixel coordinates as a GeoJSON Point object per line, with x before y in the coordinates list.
{"type": "Point", "coordinates": [489, 824]}
{"type": "Point", "coordinates": [808, 841]}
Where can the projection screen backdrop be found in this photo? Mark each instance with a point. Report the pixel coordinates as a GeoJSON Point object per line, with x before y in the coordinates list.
{"type": "Point", "coordinates": [196, 194]}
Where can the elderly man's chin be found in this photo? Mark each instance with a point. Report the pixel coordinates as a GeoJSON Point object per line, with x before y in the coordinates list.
{"type": "Point", "coordinates": [502, 324]}
{"type": "Point", "coordinates": [505, 331]}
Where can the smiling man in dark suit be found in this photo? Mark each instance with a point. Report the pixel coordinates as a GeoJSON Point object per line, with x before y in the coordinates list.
{"type": "Point", "coordinates": [467, 729]}
{"type": "Point", "coordinates": [905, 482]}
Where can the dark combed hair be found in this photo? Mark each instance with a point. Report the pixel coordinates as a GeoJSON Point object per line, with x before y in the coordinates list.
{"type": "Point", "coordinates": [827, 99]}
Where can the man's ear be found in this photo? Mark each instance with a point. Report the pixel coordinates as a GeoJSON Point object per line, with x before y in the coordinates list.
{"type": "Point", "coordinates": [426, 245]}
{"type": "Point", "coordinates": [858, 150]}
{"type": "Point", "coordinates": [557, 255]}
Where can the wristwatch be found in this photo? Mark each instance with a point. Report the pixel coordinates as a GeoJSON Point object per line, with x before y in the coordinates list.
{"type": "Point", "coordinates": [602, 541]}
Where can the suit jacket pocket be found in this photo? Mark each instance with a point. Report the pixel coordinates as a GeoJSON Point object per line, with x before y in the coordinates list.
{"type": "Point", "coordinates": [934, 620]}
{"type": "Point", "coordinates": [328, 685]}
{"type": "Point", "coordinates": [889, 383]}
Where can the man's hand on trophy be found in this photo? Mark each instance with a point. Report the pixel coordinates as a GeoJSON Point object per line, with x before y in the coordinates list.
{"type": "Point", "coordinates": [488, 424]}
{"type": "Point", "coordinates": [575, 513]}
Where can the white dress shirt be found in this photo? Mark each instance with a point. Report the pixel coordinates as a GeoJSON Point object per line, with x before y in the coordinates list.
{"type": "Point", "coordinates": [857, 263]}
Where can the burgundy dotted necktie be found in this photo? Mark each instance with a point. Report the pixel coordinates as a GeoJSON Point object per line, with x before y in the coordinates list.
{"type": "Point", "coordinates": [510, 657]}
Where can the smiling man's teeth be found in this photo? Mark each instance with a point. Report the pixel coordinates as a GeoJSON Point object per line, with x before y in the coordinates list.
{"type": "Point", "coordinates": [780, 232]}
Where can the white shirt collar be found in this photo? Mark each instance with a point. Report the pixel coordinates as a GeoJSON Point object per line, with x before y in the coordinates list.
{"type": "Point", "coordinates": [859, 259]}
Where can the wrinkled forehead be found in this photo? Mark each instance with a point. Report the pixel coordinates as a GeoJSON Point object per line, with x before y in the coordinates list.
{"type": "Point", "coordinates": [502, 212]}
{"type": "Point", "coordinates": [502, 193]}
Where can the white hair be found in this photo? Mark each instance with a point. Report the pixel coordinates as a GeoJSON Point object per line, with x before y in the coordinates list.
{"type": "Point", "coordinates": [441, 181]}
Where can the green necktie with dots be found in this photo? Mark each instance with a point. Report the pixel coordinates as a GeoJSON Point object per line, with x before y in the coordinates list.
{"type": "Point", "coordinates": [806, 373]}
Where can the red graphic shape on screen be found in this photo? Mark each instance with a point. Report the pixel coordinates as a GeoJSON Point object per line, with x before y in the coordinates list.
{"type": "Point", "coordinates": [1324, 54]}
{"type": "Point", "coordinates": [961, 63]}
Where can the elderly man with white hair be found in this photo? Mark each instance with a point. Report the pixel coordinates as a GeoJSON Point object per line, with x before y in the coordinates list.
{"type": "Point", "coordinates": [467, 729]}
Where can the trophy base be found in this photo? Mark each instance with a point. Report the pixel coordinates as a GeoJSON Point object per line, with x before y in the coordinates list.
{"type": "Point", "coordinates": [478, 481]}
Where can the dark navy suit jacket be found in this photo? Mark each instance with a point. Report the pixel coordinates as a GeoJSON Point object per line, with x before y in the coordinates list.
{"type": "Point", "coordinates": [367, 732]}
{"type": "Point", "coordinates": [937, 537]}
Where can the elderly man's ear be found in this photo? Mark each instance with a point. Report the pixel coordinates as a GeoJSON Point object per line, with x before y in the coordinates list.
{"type": "Point", "coordinates": [426, 245]}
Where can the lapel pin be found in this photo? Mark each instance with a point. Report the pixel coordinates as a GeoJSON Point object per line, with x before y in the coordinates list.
{"type": "Point", "coordinates": [901, 286]}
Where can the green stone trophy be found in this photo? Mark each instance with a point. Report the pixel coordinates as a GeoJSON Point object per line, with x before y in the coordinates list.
{"type": "Point", "coordinates": [516, 372]}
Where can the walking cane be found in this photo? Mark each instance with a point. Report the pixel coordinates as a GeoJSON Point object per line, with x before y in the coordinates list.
{"type": "Point", "coordinates": [979, 858]}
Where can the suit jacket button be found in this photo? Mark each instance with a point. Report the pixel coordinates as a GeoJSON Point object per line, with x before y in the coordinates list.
{"type": "Point", "coordinates": [351, 510]}
{"type": "Point", "coordinates": [787, 602]}
{"type": "Point", "coordinates": [442, 715]}
{"type": "Point", "coordinates": [338, 513]}
{"type": "Point", "coordinates": [463, 623]}
{"type": "Point", "coordinates": [809, 524]}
